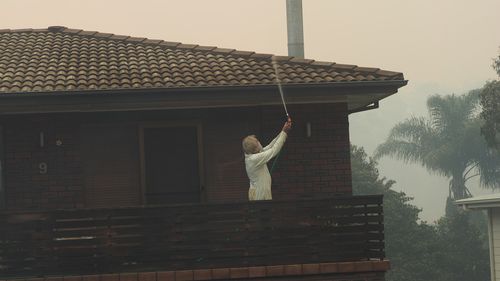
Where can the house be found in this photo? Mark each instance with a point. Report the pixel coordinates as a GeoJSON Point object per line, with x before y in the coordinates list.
{"type": "Point", "coordinates": [121, 159]}
{"type": "Point", "coordinates": [491, 204]}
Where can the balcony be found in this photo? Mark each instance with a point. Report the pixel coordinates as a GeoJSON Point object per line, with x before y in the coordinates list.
{"type": "Point", "coordinates": [194, 236]}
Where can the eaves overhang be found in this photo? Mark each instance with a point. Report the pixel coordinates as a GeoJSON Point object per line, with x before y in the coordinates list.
{"type": "Point", "coordinates": [357, 95]}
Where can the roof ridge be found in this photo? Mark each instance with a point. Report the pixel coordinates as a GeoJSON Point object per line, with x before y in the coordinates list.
{"type": "Point", "coordinates": [202, 48]}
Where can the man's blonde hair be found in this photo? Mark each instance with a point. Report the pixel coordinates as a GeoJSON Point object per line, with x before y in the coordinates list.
{"type": "Point", "coordinates": [250, 144]}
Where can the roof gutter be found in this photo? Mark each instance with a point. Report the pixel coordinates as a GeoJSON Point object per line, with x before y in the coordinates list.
{"type": "Point", "coordinates": [121, 91]}
{"type": "Point", "coordinates": [356, 94]}
{"type": "Point", "coordinates": [371, 106]}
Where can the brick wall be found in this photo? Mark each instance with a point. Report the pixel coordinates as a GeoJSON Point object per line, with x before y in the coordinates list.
{"type": "Point", "coordinates": [225, 167]}
{"type": "Point", "coordinates": [342, 271]}
{"type": "Point", "coordinates": [308, 167]}
{"type": "Point", "coordinates": [314, 166]}
{"type": "Point", "coordinates": [32, 186]}
{"type": "Point", "coordinates": [186, 275]}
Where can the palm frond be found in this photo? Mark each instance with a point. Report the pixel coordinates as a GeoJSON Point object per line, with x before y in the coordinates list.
{"type": "Point", "coordinates": [414, 129]}
{"type": "Point", "coordinates": [403, 150]}
{"type": "Point", "coordinates": [442, 159]}
{"type": "Point", "coordinates": [414, 133]}
{"type": "Point", "coordinates": [448, 113]}
{"type": "Point", "coordinates": [448, 143]}
{"type": "Point", "coordinates": [488, 165]}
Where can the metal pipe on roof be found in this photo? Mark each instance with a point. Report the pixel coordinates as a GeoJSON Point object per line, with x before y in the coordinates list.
{"type": "Point", "coordinates": [295, 28]}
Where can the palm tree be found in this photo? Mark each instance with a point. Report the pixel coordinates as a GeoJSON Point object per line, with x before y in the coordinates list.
{"type": "Point", "coordinates": [448, 143]}
{"type": "Point", "coordinates": [490, 102]}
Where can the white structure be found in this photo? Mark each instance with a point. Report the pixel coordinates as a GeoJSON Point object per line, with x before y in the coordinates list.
{"type": "Point", "coordinates": [490, 203]}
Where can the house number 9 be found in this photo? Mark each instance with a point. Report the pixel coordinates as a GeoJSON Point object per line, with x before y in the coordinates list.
{"type": "Point", "coordinates": [43, 168]}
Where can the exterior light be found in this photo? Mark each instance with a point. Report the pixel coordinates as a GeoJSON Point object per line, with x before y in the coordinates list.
{"type": "Point", "coordinates": [42, 139]}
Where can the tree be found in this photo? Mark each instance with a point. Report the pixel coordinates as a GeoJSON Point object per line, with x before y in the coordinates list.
{"type": "Point", "coordinates": [463, 251]}
{"type": "Point", "coordinates": [409, 244]}
{"type": "Point", "coordinates": [452, 250]}
{"type": "Point", "coordinates": [448, 143]}
{"type": "Point", "coordinates": [496, 64]}
{"type": "Point", "coordinates": [490, 102]}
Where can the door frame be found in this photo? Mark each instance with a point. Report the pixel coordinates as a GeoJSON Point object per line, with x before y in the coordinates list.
{"type": "Point", "coordinates": [171, 124]}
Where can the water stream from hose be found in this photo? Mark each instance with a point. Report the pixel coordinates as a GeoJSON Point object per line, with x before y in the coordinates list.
{"type": "Point", "coordinates": [278, 81]}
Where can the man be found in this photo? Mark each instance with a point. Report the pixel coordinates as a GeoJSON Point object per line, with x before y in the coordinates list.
{"type": "Point", "coordinates": [256, 158]}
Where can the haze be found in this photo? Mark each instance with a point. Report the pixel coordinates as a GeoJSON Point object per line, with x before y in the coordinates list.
{"type": "Point", "coordinates": [442, 47]}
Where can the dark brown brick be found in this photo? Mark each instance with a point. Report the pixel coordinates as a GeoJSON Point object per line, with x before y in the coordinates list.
{"type": "Point", "coordinates": [128, 276]}
{"type": "Point", "coordinates": [73, 278]}
{"type": "Point", "coordinates": [293, 269]}
{"type": "Point", "coordinates": [275, 270]}
{"type": "Point", "coordinates": [381, 265]}
{"type": "Point", "coordinates": [109, 277]}
{"type": "Point", "coordinates": [184, 275]}
{"type": "Point", "coordinates": [241, 272]}
{"type": "Point", "coordinates": [220, 273]}
{"type": "Point", "coordinates": [166, 276]}
{"type": "Point", "coordinates": [202, 274]}
{"type": "Point", "coordinates": [346, 267]}
{"type": "Point", "coordinates": [147, 276]}
{"type": "Point", "coordinates": [328, 267]}
{"type": "Point", "coordinates": [311, 268]}
{"type": "Point", "coordinates": [256, 271]}
{"type": "Point", "coordinates": [96, 278]}
{"type": "Point", "coordinates": [34, 279]}
{"type": "Point", "coordinates": [364, 266]}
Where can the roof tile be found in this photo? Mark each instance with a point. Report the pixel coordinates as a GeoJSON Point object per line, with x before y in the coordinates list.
{"type": "Point", "coordinates": [205, 48]}
{"type": "Point", "coordinates": [152, 41]}
{"type": "Point", "coordinates": [223, 50]}
{"type": "Point", "coordinates": [103, 35]}
{"type": "Point", "coordinates": [344, 66]}
{"type": "Point", "coordinates": [71, 30]}
{"type": "Point", "coordinates": [63, 59]}
{"type": "Point", "coordinates": [87, 33]}
{"type": "Point", "coordinates": [187, 46]}
{"type": "Point", "coordinates": [388, 73]}
{"type": "Point", "coordinates": [322, 63]}
{"type": "Point", "coordinates": [242, 53]}
{"type": "Point", "coordinates": [135, 39]}
{"type": "Point", "coordinates": [119, 37]}
{"type": "Point", "coordinates": [170, 44]}
{"type": "Point", "coordinates": [299, 60]}
{"type": "Point", "coordinates": [282, 58]}
{"type": "Point", "coordinates": [23, 30]}
{"type": "Point", "coordinates": [366, 69]}
{"type": "Point", "coordinates": [259, 55]}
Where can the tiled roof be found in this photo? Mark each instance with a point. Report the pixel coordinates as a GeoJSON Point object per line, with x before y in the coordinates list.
{"type": "Point", "coordinates": [60, 59]}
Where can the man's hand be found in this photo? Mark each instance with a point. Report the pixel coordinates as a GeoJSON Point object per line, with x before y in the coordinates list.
{"type": "Point", "coordinates": [288, 125]}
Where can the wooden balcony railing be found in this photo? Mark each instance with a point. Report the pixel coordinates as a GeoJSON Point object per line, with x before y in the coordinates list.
{"type": "Point", "coordinates": [87, 241]}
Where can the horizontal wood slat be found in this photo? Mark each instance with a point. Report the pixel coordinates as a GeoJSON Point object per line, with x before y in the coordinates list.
{"type": "Point", "coordinates": [191, 236]}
